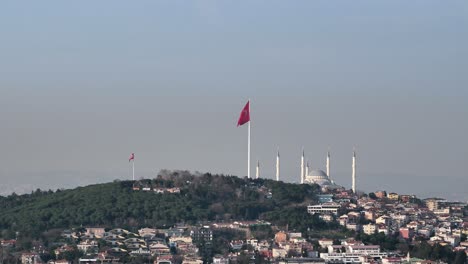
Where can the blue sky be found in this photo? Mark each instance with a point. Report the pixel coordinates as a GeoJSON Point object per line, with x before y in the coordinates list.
{"type": "Point", "coordinates": [85, 83]}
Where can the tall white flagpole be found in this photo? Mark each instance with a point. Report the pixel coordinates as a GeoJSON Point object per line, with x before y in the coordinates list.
{"type": "Point", "coordinates": [133, 168]}
{"type": "Point", "coordinates": [248, 145]}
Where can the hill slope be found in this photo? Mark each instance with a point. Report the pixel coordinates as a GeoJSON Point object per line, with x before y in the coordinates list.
{"type": "Point", "coordinates": [206, 197]}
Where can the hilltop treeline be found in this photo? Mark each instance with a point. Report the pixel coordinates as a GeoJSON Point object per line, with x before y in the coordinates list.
{"type": "Point", "coordinates": [202, 198]}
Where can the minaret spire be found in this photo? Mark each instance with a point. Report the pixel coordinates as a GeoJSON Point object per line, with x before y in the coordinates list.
{"type": "Point", "coordinates": [257, 171]}
{"type": "Point", "coordinates": [302, 166]}
{"type": "Point", "coordinates": [354, 171]}
{"type": "Point", "coordinates": [278, 166]}
{"type": "Point", "coordinates": [328, 163]}
{"type": "Point", "coordinates": [306, 170]}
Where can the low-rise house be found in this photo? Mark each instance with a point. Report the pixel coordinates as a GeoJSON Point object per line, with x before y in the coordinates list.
{"type": "Point", "coordinates": [88, 259]}
{"type": "Point", "coordinates": [106, 257]}
{"type": "Point", "coordinates": [296, 248]}
{"type": "Point", "coordinates": [298, 240]}
{"type": "Point", "coordinates": [220, 260]}
{"type": "Point", "coordinates": [140, 252]}
{"type": "Point", "coordinates": [336, 249]}
{"type": "Point", "coordinates": [393, 196]}
{"type": "Point", "coordinates": [236, 245]}
{"type": "Point", "coordinates": [279, 252]}
{"type": "Point", "coordinates": [281, 237]}
{"type": "Point", "coordinates": [383, 229]}
{"type": "Point", "coordinates": [266, 253]}
{"type": "Point", "coordinates": [96, 231]}
{"type": "Point", "coordinates": [380, 194]}
{"type": "Point", "coordinates": [87, 246]}
{"type": "Point", "coordinates": [406, 233]}
{"type": "Point", "coordinates": [414, 225]}
{"type": "Point", "coordinates": [369, 229]}
{"type": "Point", "coordinates": [8, 243]}
{"type": "Point", "coordinates": [63, 249]}
{"type": "Point", "coordinates": [325, 242]}
{"type": "Point", "coordinates": [354, 226]}
{"type": "Point", "coordinates": [60, 261]}
{"type": "Point", "coordinates": [263, 245]}
{"type": "Point", "coordinates": [326, 217]}
{"type": "Point", "coordinates": [110, 236]}
{"type": "Point", "coordinates": [30, 258]}
{"type": "Point", "coordinates": [118, 231]}
{"type": "Point", "coordinates": [192, 261]}
{"type": "Point", "coordinates": [159, 249]}
{"type": "Point", "coordinates": [343, 220]}
{"type": "Point", "coordinates": [159, 190]}
{"type": "Point", "coordinates": [425, 231]}
{"type": "Point", "coordinates": [186, 239]}
{"type": "Point", "coordinates": [369, 215]}
{"type": "Point", "coordinates": [188, 249]}
{"type": "Point", "coordinates": [253, 242]}
{"type": "Point", "coordinates": [147, 232]}
{"type": "Point", "coordinates": [173, 190]}
{"type": "Point", "coordinates": [452, 239]}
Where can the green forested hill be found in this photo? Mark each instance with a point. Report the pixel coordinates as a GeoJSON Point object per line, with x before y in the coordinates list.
{"type": "Point", "coordinates": [205, 197]}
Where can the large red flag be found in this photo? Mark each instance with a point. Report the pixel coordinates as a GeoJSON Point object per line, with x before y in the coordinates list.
{"type": "Point", "coordinates": [132, 157]}
{"type": "Point", "coordinates": [244, 115]}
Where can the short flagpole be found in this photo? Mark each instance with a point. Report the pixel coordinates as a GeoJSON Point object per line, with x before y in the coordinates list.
{"type": "Point", "coordinates": [133, 169]}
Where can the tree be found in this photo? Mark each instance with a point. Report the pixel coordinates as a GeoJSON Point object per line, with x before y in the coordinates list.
{"type": "Point", "coordinates": [460, 257]}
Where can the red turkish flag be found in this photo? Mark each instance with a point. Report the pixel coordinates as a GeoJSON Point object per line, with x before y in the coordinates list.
{"type": "Point", "coordinates": [132, 157]}
{"type": "Point", "coordinates": [244, 115]}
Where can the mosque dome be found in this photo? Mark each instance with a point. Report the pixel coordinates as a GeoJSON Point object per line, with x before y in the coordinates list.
{"type": "Point", "coordinates": [317, 173]}
{"type": "Point", "coordinates": [318, 177]}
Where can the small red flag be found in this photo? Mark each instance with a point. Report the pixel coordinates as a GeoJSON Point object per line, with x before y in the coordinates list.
{"type": "Point", "coordinates": [244, 115]}
{"type": "Point", "coordinates": [132, 157]}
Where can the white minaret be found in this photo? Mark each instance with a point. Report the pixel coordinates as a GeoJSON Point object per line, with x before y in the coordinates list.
{"type": "Point", "coordinates": [302, 166]}
{"type": "Point", "coordinates": [306, 170]}
{"type": "Point", "coordinates": [257, 171]}
{"type": "Point", "coordinates": [328, 165]}
{"type": "Point", "coordinates": [277, 166]}
{"type": "Point", "coordinates": [354, 172]}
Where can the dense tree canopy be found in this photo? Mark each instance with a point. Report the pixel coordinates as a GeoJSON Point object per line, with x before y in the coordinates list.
{"type": "Point", "coordinates": [206, 197]}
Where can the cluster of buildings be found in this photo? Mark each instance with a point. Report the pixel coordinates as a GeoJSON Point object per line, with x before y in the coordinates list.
{"type": "Point", "coordinates": [436, 221]}
{"type": "Point", "coordinates": [145, 188]}
{"type": "Point", "coordinates": [99, 245]}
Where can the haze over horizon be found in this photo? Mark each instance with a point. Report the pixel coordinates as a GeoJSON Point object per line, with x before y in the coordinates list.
{"type": "Point", "coordinates": [85, 84]}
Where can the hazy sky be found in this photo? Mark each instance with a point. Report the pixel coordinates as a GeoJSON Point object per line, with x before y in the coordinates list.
{"type": "Point", "coordinates": [85, 83]}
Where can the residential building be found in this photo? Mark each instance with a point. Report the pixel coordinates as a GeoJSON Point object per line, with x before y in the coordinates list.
{"type": "Point", "coordinates": [369, 229]}
{"type": "Point", "coordinates": [326, 208]}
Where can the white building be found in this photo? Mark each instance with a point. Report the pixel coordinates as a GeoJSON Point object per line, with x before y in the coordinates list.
{"type": "Point", "coordinates": [353, 254]}
{"type": "Point", "coordinates": [369, 229]}
{"type": "Point", "coordinates": [279, 252]}
{"type": "Point", "coordinates": [326, 208]}
{"type": "Point", "coordinates": [325, 242]}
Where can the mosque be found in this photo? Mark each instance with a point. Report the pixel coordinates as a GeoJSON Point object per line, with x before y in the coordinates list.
{"type": "Point", "coordinates": [316, 176]}
{"type": "Point", "coordinates": [323, 179]}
